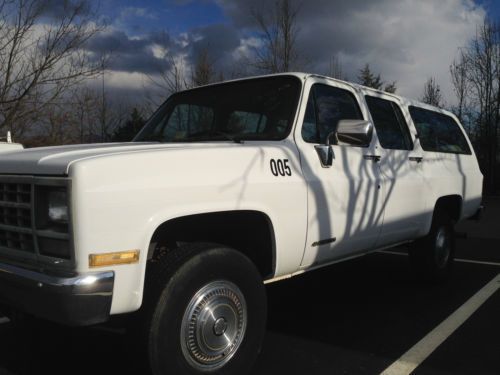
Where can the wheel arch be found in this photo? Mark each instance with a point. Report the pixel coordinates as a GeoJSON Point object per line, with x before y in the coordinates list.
{"type": "Point", "coordinates": [451, 204]}
{"type": "Point", "coordinates": [249, 231]}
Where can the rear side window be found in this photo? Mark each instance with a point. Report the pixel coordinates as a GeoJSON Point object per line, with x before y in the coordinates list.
{"type": "Point", "coordinates": [325, 107]}
{"type": "Point", "coordinates": [438, 132]}
{"type": "Point", "coordinates": [390, 124]}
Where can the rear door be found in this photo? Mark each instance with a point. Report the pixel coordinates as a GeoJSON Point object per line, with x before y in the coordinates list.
{"type": "Point", "coordinates": [401, 169]}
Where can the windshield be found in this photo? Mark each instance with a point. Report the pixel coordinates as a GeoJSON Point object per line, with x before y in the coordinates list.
{"type": "Point", "coordinates": [255, 109]}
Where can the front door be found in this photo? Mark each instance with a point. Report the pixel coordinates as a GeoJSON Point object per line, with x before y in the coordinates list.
{"type": "Point", "coordinates": [345, 209]}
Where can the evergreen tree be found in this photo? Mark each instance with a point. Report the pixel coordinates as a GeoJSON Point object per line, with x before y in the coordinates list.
{"type": "Point", "coordinates": [369, 79]}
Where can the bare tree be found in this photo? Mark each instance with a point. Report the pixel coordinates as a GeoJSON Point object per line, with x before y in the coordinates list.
{"type": "Point", "coordinates": [170, 77]}
{"type": "Point", "coordinates": [432, 93]}
{"type": "Point", "coordinates": [203, 69]}
{"type": "Point", "coordinates": [84, 104]}
{"type": "Point", "coordinates": [458, 71]}
{"type": "Point", "coordinates": [335, 68]}
{"type": "Point", "coordinates": [41, 55]}
{"type": "Point", "coordinates": [483, 70]}
{"type": "Point", "coordinates": [279, 31]}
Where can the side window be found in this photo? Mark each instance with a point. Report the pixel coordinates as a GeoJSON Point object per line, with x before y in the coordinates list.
{"type": "Point", "coordinates": [325, 107]}
{"type": "Point", "coordinates": [390, 124]}
{"type": "Point", "coordinates": [438, 132]}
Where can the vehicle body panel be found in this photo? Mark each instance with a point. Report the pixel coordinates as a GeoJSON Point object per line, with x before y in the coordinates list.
{"type": "Point", "coordinates": [121, 193]}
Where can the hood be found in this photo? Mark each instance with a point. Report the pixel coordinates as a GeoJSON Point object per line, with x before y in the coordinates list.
{"type": "Point", "coordinates": [56, 160]}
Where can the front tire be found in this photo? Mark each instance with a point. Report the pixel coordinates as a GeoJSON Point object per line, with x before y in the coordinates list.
{"type": "Point", "coordinates": [208, 313]}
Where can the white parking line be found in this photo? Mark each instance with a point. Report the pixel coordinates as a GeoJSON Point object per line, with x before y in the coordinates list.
{"type": "Point", "coordinates": [4, 320]}
{"type": "Point", "coordinates": [485, 263]}
{"type": "Point", "coordinates": [409, 361]}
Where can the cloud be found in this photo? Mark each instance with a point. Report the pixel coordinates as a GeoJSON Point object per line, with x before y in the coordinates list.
{"type": "Point", "coordinates": [137, 12]}
{"type": "Point", "coordinates": [57, 9]}
{"type": "Point", "coordinates": [143, 54]}
{"type": "Point", "coordinates": [407, 41]}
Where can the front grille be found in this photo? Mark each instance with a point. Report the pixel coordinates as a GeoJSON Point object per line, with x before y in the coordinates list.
{"type": "Point", "coordinates": [16, 230]}
{"type": "Point", "coordinates": [26, 233]}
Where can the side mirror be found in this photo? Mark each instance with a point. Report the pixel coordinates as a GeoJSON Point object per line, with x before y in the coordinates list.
{"type": "Point", "coordinates": [353, 132]}
{"type": "Point", "coordinates": [349, 132]}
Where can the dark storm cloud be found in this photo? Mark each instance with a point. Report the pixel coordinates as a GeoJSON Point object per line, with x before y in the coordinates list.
{"type": "Point", "coordinates": [117, 42]}
{"type": "Point", "coordinates": [219, 37]}
{"type": "Point", "coordinates": [131, 54]}
{"type": "Point", "coordinates": [404, 40]}
{"type": "Point", "coordinates": [219, 40]}
{"type": "Point", "coordinates": [136, 54]}
{"type": "Point", "coordinates": [325, 27]}
{"type": "Point", "coordinates": [58, 9]}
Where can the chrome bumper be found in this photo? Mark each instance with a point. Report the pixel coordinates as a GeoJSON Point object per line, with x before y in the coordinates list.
{"type": "Point", "coordinates": [80, 300]}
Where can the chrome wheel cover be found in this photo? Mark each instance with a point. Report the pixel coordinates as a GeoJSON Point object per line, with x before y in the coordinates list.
{"type": "Point", "coordinates": [213, 325]}
{"type": "Point", "coordinates": [442, 248]}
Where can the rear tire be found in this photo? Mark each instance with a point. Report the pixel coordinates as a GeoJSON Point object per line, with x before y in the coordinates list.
{"type": "Point", "coordinates": [204, 312]}
{"type": "Point", "coordinates": [432, 256]}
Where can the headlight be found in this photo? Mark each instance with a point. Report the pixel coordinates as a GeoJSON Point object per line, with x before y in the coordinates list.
{"type": "Point", "coordinates": [58, 206]}
{"type": "Point", "coordinates": [52, 211]}
{"type": "Point", "coordinates": [52, 221]}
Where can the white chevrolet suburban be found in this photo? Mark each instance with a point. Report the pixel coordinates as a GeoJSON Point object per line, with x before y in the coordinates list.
{"type": "Point", "coordinates": [227, 187]}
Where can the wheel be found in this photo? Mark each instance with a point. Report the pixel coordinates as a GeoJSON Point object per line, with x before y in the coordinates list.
{"type": "Point", "coordinates": [432, 256]}
{"type": "Point", "coordinates": [207, 314]}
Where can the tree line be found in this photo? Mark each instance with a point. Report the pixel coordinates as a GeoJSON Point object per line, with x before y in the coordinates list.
{"type": "Point", "coordinates": [53, 92]}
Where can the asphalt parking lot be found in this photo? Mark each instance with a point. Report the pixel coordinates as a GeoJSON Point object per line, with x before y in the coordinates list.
{"type": "Point", "coordinates": [365, 316]}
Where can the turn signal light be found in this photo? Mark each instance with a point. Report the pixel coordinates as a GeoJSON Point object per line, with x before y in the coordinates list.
{"type": "Point", "coordinates": [112, 259]}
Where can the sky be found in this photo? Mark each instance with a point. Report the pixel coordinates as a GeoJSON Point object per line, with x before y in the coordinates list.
{"type": "Point", "coordinates": [406, 41]}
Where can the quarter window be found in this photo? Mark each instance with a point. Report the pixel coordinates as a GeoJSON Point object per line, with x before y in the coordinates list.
{"type": "Point", "coordinates": [325, 107]}
{"type": "Point", "coordinates": [439, 132]}
{"type": "Point", "coordinates": [392, 130]}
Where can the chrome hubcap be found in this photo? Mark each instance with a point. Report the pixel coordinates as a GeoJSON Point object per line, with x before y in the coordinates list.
{"type": "Point", "coordinates": [442, 248]}
{"type": "Point", "coordinates": [213, 325]}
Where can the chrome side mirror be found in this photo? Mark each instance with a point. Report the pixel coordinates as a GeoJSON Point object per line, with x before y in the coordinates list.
{"type": "Point", "coordinates": [349, 132]}
{"type": "Point", "coordinates": [354, 132]}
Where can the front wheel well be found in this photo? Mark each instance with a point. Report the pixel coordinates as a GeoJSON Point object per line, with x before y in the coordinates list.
{"type": "Point", "coordinates": [250, 232]}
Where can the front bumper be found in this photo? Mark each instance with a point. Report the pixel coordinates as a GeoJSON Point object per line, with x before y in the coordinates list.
{"type": "Point", "coordinates": [77, 301]}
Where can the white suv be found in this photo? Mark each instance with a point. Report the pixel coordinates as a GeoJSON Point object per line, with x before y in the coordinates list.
{"type": "Point", "coordinates": [228, 186]}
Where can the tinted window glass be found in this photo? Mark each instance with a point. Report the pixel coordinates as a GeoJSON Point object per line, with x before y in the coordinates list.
{"type": "Point", "coordinates": [326, 106]}
{"type": "Point", "coordinates": [186, 119]}
{"type": "Point", "coordinates": [254, 109]}
{"type": "Point", "coordinates": [246, 122]}
{"type": "Point", "coordinates": [389, 122]}
{"type": "Point", "coordinates": [438, 132]}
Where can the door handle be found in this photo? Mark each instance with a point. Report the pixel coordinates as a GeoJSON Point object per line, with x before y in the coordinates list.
{"type": "Point", "coordinates": [375, 158]}
{"type": "Point", "coordinates": [418, 159]}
